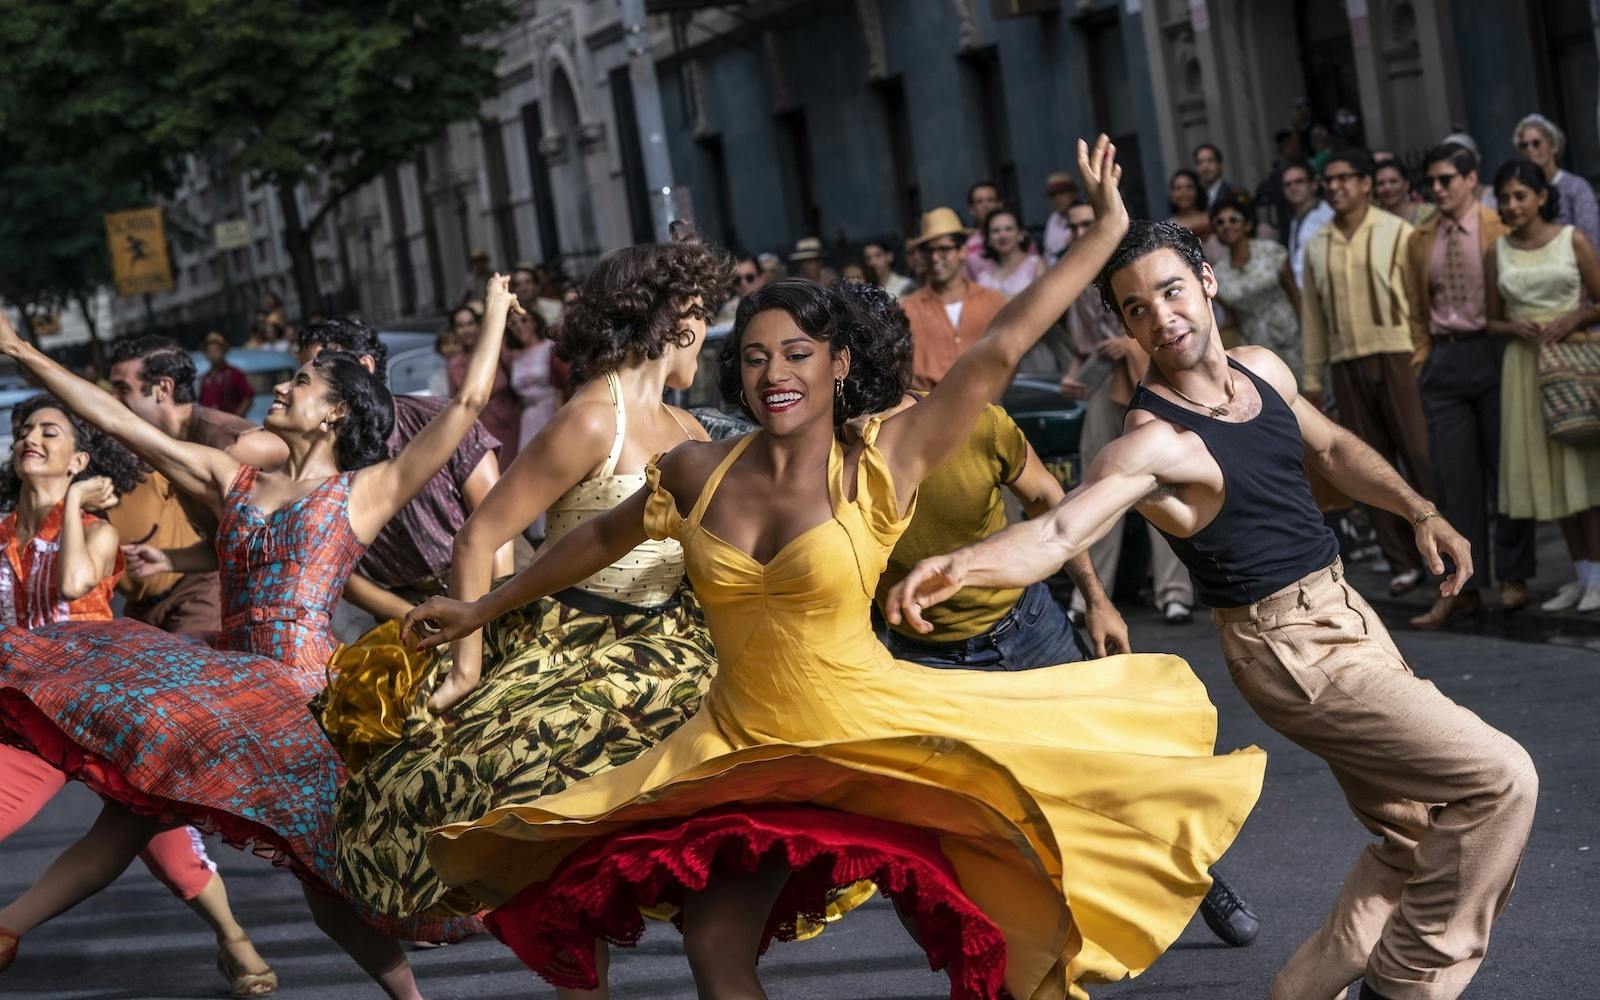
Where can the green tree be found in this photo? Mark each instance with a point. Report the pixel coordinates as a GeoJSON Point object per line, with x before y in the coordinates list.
{"type": "Point", "coordinates": [327, 93]}
{"type": "Point", "coordinates": [52, 238]}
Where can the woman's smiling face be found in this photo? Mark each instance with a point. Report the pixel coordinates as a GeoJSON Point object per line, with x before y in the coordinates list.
{"type": "Point", "coordinates": [787, 375]}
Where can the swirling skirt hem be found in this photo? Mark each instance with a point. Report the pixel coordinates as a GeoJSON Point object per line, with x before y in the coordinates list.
{"type": "Point", "coordinates": [597, 893]}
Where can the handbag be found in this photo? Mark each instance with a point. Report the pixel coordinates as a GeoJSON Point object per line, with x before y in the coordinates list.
{"type": "Point", "coordinates": [1569, 389]}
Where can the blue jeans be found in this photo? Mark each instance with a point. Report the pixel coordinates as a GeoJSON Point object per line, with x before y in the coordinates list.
{"type": "Point", "coordinates": [1034, 633]}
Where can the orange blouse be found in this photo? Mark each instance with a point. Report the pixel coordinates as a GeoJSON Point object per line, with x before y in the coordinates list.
{"type": "Point", "coordinates": [28, 594]}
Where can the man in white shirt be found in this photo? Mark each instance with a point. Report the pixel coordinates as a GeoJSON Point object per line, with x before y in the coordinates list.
{"type": "Point", "coordinates": [1311, 213]}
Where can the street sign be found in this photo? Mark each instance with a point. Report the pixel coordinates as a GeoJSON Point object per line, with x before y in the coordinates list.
{"type": "Point", "coordinates": [231, 234]}
{"type": "Point", "coordinates": [138, 246]}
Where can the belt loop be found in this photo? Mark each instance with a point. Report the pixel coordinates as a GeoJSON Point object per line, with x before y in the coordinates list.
{"type": "Point", "coordinates": [1305, 598]}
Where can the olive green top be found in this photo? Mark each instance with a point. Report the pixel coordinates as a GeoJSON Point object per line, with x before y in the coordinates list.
{"type": "Point", "coordinates": [958, 504]}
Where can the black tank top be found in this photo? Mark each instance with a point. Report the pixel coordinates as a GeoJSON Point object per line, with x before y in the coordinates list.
{"type": "Point", "coordinates": [1269, 532]}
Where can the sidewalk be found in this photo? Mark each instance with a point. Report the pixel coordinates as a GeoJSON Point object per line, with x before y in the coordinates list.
{"type": "Point", "coordinates": [1555, 568]}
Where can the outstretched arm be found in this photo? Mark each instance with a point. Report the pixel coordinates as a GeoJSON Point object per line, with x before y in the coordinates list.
{"type": "Point", "coordinates": [921, 437]}
{"type": "Point", "coordinates": [578, 555]}
{"type": "Point", "coordinates": [381, 490]}
{"type": "Point", "coordinates": [193, 468]}
{"type": "Point", "coordinates": [562, 454]}
{"type": "Point", "coordinates": [1038, 490]}
{"type": "Point", "coordinates": [1123, 475]}
{"type": "Point", "coordinates": [1351, 465]}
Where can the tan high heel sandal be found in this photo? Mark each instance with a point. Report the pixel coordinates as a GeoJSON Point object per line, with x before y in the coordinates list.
{"type": "Point", "coordinates": [245, 985]}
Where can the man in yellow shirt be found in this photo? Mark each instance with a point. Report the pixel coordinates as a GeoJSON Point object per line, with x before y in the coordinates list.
{"type": "Point", "coordinates": [1355, 320]}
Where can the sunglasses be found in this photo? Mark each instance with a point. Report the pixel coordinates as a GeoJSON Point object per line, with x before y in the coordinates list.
{"type": "Point", "coordinates": [749, 277]}
{"type": "Point", "coordinates": [1530, 144]}
{"type": "Point", "coordinates": [1441, 180]}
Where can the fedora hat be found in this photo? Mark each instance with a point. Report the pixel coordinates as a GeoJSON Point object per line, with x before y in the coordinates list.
{"type": "Point", "coordinates": [941, 221]}
{"type": "Point", "coordinates": [1060, 181]}
{"type": "Point", "coordinates": [806, 248]}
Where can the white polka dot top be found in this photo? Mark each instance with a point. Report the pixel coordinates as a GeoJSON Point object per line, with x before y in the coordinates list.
{"type": "Point", "coordinates": [647, 576]}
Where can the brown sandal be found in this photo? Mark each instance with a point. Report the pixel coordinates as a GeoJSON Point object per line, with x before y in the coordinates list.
{"type": "Point", "coordinates": [245, 985]}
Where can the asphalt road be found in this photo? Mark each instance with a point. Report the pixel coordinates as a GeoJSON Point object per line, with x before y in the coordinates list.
{"type": "Point", "coordinates": [135, 941]}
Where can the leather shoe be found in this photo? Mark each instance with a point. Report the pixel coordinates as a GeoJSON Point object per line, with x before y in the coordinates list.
{"type": "Point", "coordinates": [1227, 915]}
{"type": "Point", "coordinates": [1513, 596]}
{"type": "Point", "coordinates": [1468, 602]}
{"type": "Point", "coordinates": [1368, 993]}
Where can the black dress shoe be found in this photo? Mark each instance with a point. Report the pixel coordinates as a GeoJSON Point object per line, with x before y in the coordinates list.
{"type": "Point", "coordinates": [1368, 993]}
{"type": "Point", "coordinates": [1227, 915]}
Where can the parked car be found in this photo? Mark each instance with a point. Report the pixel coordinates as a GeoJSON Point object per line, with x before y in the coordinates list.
{"type": "Point", "coordinates": [1051, 422]}
{"type": "Point", "coordinates": [418, 371]}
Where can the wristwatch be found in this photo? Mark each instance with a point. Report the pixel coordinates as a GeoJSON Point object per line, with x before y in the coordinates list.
{"type": "Point", "coordinates": [1417, 519]}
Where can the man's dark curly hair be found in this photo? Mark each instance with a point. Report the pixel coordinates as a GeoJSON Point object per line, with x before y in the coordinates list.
{"type": "Point", "coordinates": [159, 358]}
{"type": "Point", "coordinates": [632, 306]}
{"type": "Point", "coordinates": [107, 457]}
{"type": "Point", "coordinates": [1143, 238]}
{"type": "Point", "coordinates": [362, 437]}
{"type": "Point", "coordinates": [854, 315]}
{"type": "Point", "coordinates": [349, 335]}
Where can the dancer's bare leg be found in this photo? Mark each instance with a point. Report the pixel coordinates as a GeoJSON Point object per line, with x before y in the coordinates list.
{"type": "Point", "coordinates": [375, 952]}
{"type": "Point", "coordinates": [722, 930]}
{"type": "Point", "coordinates": [602, 969]}
{"type": "Point", "coordinates": [212, 906]}
{"type": "Point", "coordinates": [83, 869]}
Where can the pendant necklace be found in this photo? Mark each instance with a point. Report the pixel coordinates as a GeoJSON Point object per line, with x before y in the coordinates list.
{"type": "Point", "coordinates": [1219, 410]}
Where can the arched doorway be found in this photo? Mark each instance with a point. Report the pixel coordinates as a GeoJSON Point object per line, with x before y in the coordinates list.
{"type": "Point", "coordinates": [574, 200]}
{"type": "Point", "coordinates": [1328, 62]}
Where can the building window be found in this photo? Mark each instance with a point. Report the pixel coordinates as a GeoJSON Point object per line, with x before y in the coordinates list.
{"type": "Point", "coordinates": [544, 206]}
{"type": "Point", "coordinates": [405, 273]}
{"type": "Point", "coordinates": [891, 95]}
{"type": "Point", "coordinates": [261, 251]}
{"type": "Point", "coordinates": [505, 223]}
{"type": "Point", "coordinates": [1568, 81]}
{"type": "Point", "coordinates": [633, 175]}
{"type": "Point", "coordinates": [430, 234]}
{"type": "Point", "coordinates": [1112, 101]}
{"type": "Point", "coordinates": [714, 168]}
{"type": "Point", "coordinates": [987, 103]}
{"type": "Point", "coordinates": [794, 143]}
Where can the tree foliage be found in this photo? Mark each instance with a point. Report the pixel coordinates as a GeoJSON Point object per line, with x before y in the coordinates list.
{"type": "Point", "coordinates": [288, 90]}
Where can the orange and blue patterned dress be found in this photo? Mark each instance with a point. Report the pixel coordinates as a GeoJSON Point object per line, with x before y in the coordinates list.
{"type": "Point", "coordinates": [216, 736]}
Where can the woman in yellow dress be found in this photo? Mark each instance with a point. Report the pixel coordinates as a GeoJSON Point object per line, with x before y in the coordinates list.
{"type": "Point", "coordinates": [1036, 830]}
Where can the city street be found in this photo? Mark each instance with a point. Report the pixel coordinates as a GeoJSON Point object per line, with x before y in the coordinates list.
{"type": "Point", "coordinates": [135, 941]}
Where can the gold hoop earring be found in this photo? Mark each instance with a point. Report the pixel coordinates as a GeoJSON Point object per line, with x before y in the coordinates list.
{"type": "Point", "coordinates": [741, 400]}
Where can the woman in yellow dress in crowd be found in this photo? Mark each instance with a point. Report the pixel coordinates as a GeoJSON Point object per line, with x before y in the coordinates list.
{"type": "Point", "coordinates": [1036, 830]}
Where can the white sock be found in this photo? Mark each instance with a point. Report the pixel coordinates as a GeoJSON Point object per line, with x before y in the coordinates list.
{"type": "Point", "coordinates": [1586, 574]}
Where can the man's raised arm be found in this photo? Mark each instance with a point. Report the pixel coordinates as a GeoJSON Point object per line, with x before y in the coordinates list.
{"type": "Point", "coordinates": [1123, 475]}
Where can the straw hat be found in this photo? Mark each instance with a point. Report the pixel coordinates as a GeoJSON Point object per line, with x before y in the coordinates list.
{"type": "Point", "coordinates": [1059, 182]}
{"type": "Point", "coordinates": [806, 248]}
{"type": "Point", "coordinates": [941, 221]}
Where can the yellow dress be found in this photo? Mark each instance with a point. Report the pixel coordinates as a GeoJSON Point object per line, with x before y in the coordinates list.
{"type": "Point", "coordinates": [1080, 805]}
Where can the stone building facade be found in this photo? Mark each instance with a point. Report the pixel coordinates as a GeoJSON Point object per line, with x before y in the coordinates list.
{"type": "Point", "coordinates": [844, 119]}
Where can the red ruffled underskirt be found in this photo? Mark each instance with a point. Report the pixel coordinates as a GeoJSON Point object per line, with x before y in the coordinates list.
{"type": "Point", "coordinates": [598, 891]}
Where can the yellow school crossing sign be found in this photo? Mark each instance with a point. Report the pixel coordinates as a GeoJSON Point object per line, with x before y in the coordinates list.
{"type": "Point", "coordinates": [138, 244]}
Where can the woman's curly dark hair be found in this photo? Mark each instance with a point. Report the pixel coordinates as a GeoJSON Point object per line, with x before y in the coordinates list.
{"type": "Point", "coordinates": [107, 456]}
{"type": "Point", "coordinates": [362, 437]}
{"type": "Point", "coordinates": [1024, 241]}
{"type": "Point", "coordinates": [632, 306]}
{"type": "Point", "coordinates": [853, 315]}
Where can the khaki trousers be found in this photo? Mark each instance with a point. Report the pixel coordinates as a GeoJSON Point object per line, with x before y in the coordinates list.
{"type": "Point", "coordinates": [1450, 798]}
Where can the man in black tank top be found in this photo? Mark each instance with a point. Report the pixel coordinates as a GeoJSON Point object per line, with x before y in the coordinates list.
{"type": "Point", "coordinates": [1213, 454]}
